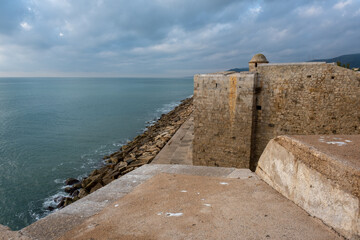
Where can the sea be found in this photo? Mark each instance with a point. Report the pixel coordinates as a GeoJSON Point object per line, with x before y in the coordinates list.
{"type": "Point", "coordinates": [52, 129]}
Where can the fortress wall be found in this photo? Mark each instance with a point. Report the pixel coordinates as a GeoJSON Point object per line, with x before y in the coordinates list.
{"type": "Point", "coordinates": [236, 114]}
{"type": "Point", "coordinates": [306, 99]}
{"type": "Point", "coordinates": [223, 117]}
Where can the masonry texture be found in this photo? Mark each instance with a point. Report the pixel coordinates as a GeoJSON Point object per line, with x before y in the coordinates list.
{"type": "Point", "coordinates": [223, 117]}
{"type": "Point", "coordinates": [236, 114]}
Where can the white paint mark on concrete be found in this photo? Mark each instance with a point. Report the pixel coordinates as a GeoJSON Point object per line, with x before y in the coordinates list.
{"type": "Point", "coordinates": [183, 191]}
{"type": "Point", "coordinates": [174, 214]}
{"type": "Point", "coordinates": [337, 143]}
{"type": "Point", "coordinates": [207, 204]}
{"type": "Point", "coordinates": [224, 183]}
{"type": "Point", "coordinates": [116, 205]}
{"type": "Point", "coordinates": [92, 225]}
{"type": "Point", "coordinates": [348, 141]}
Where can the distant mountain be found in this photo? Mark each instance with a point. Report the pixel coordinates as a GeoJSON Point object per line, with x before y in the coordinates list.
{"type": "Point", "coordinates": [352, 59]}
{"type": "Point", "coordinates": [239, 69]}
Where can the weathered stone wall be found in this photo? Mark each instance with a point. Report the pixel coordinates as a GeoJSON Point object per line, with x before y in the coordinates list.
{"type": "Point", "coordinates": [237, 114]}
{"type": "Point", "coordinates": [223, 111]}
{"type": "Point", "coordinates": [305, 99]}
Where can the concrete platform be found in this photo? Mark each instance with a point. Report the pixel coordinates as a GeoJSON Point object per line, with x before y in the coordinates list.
{"type": "Point", "coordinates": [179, 148]}
{"type": "Point", "coordinates": [172, 206]}
{"type": "Point", "coordinates": [57, 224]}
{"type": "Point", "coordinates": [321, 174]}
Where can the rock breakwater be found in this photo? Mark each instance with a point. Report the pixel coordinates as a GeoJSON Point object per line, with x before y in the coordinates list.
{"type": "Point", "coordinates": [141, 150]}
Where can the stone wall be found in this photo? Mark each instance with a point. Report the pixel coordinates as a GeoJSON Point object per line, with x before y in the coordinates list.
{"type": "Point", "coordinates": [305, 99]}
{"type": "Point", "coordinates": [223, 112]}
{"type": "Point", "coordinates": [236, 114]}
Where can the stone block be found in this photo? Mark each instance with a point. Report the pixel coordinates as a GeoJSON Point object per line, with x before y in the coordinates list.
{"type": "Point", "coordinates": [303, 174]}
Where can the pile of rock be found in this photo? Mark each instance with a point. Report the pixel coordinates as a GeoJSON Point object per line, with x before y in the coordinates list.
{"type": "Point", "coordinates": [140, 151]}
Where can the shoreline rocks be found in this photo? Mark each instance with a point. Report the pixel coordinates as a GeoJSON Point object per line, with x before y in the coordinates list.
{"type": "Point", "coordinates": [141, 150]}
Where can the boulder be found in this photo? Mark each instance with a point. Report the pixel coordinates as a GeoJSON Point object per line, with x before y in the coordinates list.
{"type": "Point", "coordinates": [71, 181]}
{"type": "Point", "coordinates": [82, 193]}
{"type": "Point", "coordinates": [90, 179]}
{"type": "Point", "coordinates": [137, 163]}
{"type": "Point", "coordinates": [50, 208]}
{"type": "Point", "coordinates": [69, 190]}
{"type": "Point", "coordinates": [61, 203]}
{"type": "Point", "coordinates": [85, 182]}
{"type": "Point", "coordinates": [129, 160]}
{"type": "Point", "coordinates": [92, 184]}
{"type": "Point", "coordinates": [107, 180]}
{"type": "Point", "coordinates": [112, 174]}
{"type": "Point", "coordinates": [129, 169]}
{"type": "Point", "coordinates": [145, 158]}
{"type": "Point", "coordinates": [68, 201]}
{"type": "Point", "coordinates": [75, 193]}
{"type": "Point", "coordinates": [114, 160]}
{"type": "Point", "coordinates": [95, 172]}
{"type": "Point", "coordinates": [96, 187]}
{"type": "Point", "coordinates": [154, 149]}
{"type": "Point", "coordinates": [58, 199]}
{"type": "Point", "coordinates": [77, 185]}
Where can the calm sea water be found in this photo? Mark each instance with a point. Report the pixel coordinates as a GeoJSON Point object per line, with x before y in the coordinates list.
{"type": "Point", "coordinates": [55, 128]}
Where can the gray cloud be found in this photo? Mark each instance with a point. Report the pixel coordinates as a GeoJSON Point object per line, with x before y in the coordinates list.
{"type": "Point", "coordinates": [169, 37]}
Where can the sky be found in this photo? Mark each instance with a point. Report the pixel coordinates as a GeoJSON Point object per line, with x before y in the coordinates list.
{"type": "Point", "coordinates": [168, 38]}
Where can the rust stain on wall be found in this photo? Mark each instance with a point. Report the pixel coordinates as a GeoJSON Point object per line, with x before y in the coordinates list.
{"type": "Point", "coordinates": [232, 98]}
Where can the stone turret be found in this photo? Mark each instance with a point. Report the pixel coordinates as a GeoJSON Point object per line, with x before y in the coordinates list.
{"type": "Point", "coordinates": [256, 59]}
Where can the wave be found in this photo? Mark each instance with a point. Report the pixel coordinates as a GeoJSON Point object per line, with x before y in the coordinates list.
{"type": "Point", "coordinates": [93, 160]}
{"type": "Point", "coordinates": [164, 109]}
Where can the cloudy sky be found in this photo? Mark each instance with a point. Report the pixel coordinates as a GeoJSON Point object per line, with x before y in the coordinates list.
{"type": "Point", "coordinates": [168, 37]}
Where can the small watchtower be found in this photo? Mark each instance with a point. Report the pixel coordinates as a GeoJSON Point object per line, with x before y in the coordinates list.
{"type": "Point", "coordinates": [256, 59]}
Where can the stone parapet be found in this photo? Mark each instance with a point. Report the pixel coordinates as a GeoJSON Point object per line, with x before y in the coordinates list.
{"type": "Point", "coordinates": [320, 174]}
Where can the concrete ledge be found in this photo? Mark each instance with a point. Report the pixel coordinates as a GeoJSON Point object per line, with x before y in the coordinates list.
{"type": "Point", "coordinates": [320, 174]}
{"type": "Point", "coordinates": [7, 234]}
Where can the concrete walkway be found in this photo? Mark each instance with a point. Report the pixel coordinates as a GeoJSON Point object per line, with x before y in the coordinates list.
{"type": "Point", "coordinates": [179, 148]}
{"type": "Point", "coordinates": [172, 206]}
{"type": "Point", "coordinates": [161, 201]}
{"type": "Point", "coordinates": [57, 224]}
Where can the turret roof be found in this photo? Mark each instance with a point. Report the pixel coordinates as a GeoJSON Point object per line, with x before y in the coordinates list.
{"type": "Point", "coordinates": [259, 58]}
